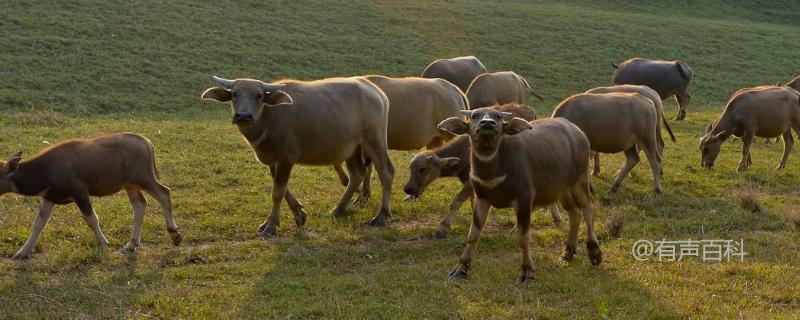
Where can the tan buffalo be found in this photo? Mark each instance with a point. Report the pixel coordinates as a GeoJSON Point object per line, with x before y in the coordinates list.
{"type": "Point", "coordinates": [766, 111]}
{"type": "Point", "coordinates": [323, 122]}
{"type": "Point", "coordinates": [459, 71]}
{"type": "Point", "coordinates": [501, 88]}
{"type": "Point", "coordinates": [617, 122]}
{"type": "Point", "coordinates": [521, 164]}
{"type": "Point", "coordinates": [668, 78]}
{"type": "Point", "coordinates": [417, 107]}
{"type": "Point", "coordinates": [650, 94]}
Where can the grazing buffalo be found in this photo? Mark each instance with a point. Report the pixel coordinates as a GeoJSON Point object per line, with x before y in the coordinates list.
{"type": "Point", "coordinates": [74, 170]}
{"type": "Point", "coordinates": [452, 160]}
{"type": "Point", "coordinates": [417, 107]}
{"type": "Point", "coordinates": [323, 122]}
{"type": "Point", "coordinates": [459, 71]}
{"type": "Point", "coordinates": [766, 111]}
{"type": "Point", "coordinates": [504, 87]}
{"type": "Point", "coordinates": [617, 122]}
{"type": "Point", "coordinates": [521, 164]}
{"type": "Point", "coordinates": [668, 78]}
{"type": "Point", "coordinates": [650, 94]}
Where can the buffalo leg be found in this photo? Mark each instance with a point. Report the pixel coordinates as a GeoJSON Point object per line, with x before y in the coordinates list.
{"type": "Point", "coordinates": [458, 201]}
{"type": "Point", "coordinates": [788, 142]}
{"type": "Point", "coordinates": [572, 237]}
{"type": "Point", "coordinates": [162, 195]}
{"type": "Point", "coordinates": [524, 239]}
{"type": "Point", "coordinates": [654, 158]}
{"type": "Point", "coordinates": [596, 167]}
{"type": "Point", "coordinates": [553, 208]}
{"type": "Point", "coordinates": [479, 214]}
{"type": "Point", "coordinates": [91, 219]}
{"type": "Point", "coordinates": [631, 159]}
{"type": "Point", "coordinates": [379, 155]}
{"type": "Point", "coordinates": [45, 210]}
{"type": "Point", "coordinates": [683, 102]}
{"type": "Point", "coordinates": [366, 187]}
{"type": "Point", "coordinates": [592, 245]}
{"type": "Point", "coordinates": [280, 179]}
{"type": "Point", "coordinates": [747, 141]}
{"type": "Point", "coordinates": [357, 170]}
{"type": "Point", "coordinates": [138, 204]}
{"type": "Point", "coordinates": [343, 179]}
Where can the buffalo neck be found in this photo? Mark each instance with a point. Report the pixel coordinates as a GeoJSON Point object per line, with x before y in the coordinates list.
{"type": "Point", "coordinates": [489, 165]}
{"type": "Point", "coordinates": [30, 178]}
{"type": "Point", "coordinates": [458, 148]}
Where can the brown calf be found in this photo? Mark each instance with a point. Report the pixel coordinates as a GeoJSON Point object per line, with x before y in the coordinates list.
{"type": "Point", "coordinates": [74, 170]}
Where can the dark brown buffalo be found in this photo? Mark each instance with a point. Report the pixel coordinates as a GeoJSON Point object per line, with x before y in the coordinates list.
{"type": "Point", "coordinates": [523, 165]}
{"type": "Point", "coordinates": [74, 170]}
{"type": "Point", "coordinates": [459, 71]}
{"type": "Point", "coordinates": [668, 78]}
{"type": "Point", "coordinates": [452, 160]}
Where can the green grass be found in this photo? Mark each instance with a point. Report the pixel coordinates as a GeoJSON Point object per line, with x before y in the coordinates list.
{"type": "Point", "coordinates": [81, 70]}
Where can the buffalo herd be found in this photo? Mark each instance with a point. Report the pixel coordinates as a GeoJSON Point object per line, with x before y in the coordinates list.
{"type": "Point", "coordinates": [473, 124]}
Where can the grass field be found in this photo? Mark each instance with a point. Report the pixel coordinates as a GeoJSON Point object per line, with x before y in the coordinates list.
{"type": "Point", "coordinates": [81, 69]}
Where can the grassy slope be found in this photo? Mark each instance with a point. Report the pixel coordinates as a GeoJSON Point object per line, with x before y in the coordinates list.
{"type": "Point", "coordinates": [82, 70]}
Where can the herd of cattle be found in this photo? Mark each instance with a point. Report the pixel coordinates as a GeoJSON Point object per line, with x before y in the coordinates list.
{"type": "Point", "coordinates": [473, 123]}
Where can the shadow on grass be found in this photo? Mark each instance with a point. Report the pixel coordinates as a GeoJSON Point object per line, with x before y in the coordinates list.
{"type": "Point", "coordinates": [407, 278]}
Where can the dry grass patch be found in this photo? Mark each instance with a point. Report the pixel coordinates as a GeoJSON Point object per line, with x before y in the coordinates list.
{"type": "Point", "coordinates": [750, 199]}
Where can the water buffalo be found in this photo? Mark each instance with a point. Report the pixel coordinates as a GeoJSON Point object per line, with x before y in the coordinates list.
{"type": "Point", "coordinates": [766, 111]}
{"type": "Point", "coordinates": [521, 164]}
{"type": "Point", "coordinates": [417, 107]}
{"type": "Point", "coordinates": [503, 87]}
{"type": "Point", "coordinates": [323, 122]}
{"type": "Point", "coordinates": [668, 78]}
{"type": "Point", "coordinates": [650, 94]}
{"type": "Point", "coordinates": [459, 71]}
{"type": "Point", "coordinates": [617, 122]}
{"type": "Point", "coordinates": [452, 160]}
{"type": "Point", "coordinates": [74, 170]}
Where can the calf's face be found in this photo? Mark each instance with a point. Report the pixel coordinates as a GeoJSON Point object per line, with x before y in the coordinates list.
{"type": "Point", "coordinates": [710, 145]}
{"type": "Point", "coordinates": [485, 127]}
{"type": "Point", "coordinates": [424, 169]}
{"type": "Point", "coordinates": [247, 97]}
{"type": "Point", "coordinates": [7, 169]}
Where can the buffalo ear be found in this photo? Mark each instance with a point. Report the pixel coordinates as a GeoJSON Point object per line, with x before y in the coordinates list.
{"type": "Point", "coordinates": [516, 125]}
{"type": "Point", "coordinates": [708, 128]}
{"type": "Point", "coordinates": [13, 162]}
{"type": "Point", "coordinates": [277, 98]}
{"type": "Point", "coordinates": [454, 125]}
{"type": "Point", "coordinates": [719, 135]}
{"type": "Point", "coordinates": [216, 93]}
{"type": "Point", "coordinates": [448, 162]}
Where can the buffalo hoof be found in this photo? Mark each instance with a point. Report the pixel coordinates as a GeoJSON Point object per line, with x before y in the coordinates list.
{"type": "Point", "coordinates": [527, 275]}
{"type": "Point", "coordinates": [128, 249]}
{"type": "Point", "coordinates": [268, 231]}
{"type": "Point", "coordinates": [361, 200]}
{"type": "Point", "coordinates": [300, 217]}
{"type": "Point", "coordinates": [614, 188]}
{"type": "Point", "coordinates": [569, 254]}
{"type": "Point", "coordinates": [558, 223]}
{"type": "Point", "coordinates": [337, 212]}
{"type": "Point", "coordinates": [681, 116]}
{"type": "Point", "coordinates": [595, 255]}
{"type": "Point", "coordinates": [378, 221]}
{"type": "Point", "coordinates": [176, 237]}
{"type": "Point", "coordinates": [458, 273]}
{"type": "Point", "coordinates": [440, 234]}
{"type": "Point", "coordinates": [19, 256]}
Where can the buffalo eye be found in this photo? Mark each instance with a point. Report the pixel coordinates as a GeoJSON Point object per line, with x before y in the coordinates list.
{"type": "Point", "coordinates": [423, 169]}
{"type": "Point", "coordinates": [475, 116]}
{"type": "Point", "coordinates": [234, 94]}
{"type": "Point", "coordinates": [259, 95]}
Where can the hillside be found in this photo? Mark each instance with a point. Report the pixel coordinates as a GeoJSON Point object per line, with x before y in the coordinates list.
{"type": "Point", "coordinates": [82, 69]}
{"type": "Point", "coordinates": [157, 56]}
